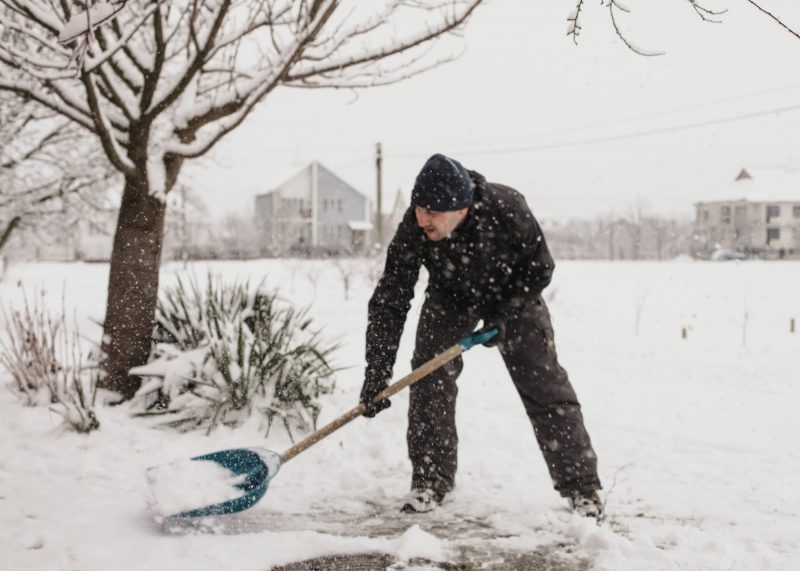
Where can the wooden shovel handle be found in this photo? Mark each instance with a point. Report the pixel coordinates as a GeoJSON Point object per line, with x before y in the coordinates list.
{"type": "Point", "coordinates": [415, 375]}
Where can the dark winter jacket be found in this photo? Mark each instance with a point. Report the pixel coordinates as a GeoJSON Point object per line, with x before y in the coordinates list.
{"type": "Point", "coordinates": [493, 263]}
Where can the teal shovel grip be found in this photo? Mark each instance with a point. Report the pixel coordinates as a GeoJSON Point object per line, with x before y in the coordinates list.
{"type": "Point", "coordinates": [477, 338]}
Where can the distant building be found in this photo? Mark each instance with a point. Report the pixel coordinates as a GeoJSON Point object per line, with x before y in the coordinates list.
{"type": "Point", "coordinates": [314, 212]}
{"type": "Point", "coordinates": [755, 215]}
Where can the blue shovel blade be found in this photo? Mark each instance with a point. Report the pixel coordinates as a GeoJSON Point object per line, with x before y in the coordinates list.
{"type": "Point", "coordinates": [240, 475]}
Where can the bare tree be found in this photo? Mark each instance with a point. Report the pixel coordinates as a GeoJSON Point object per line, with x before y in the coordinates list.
{"type": "Point", "coordinates": [348, 269]}
{"type": "Point", "coordinates": [633, 226]}
{"type": "Point", "coordinates": [163, 82]}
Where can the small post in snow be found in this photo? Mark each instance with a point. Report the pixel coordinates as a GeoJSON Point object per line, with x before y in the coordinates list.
{"type": "Point", "coordinates": [683, 333]}
{"type": "Point", "coordinates": [791, 325]}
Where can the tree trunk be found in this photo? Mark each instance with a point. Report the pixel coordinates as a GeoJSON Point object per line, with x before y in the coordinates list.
{"type": "Point", "coordinates": [132, 285]}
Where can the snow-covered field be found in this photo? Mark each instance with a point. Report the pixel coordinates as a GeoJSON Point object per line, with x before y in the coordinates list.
{"type": "Point", "coordinates": [697, 439]}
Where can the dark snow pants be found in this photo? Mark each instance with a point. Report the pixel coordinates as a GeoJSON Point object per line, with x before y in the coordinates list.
{"type": "Point", "coordinates": [528, 350]}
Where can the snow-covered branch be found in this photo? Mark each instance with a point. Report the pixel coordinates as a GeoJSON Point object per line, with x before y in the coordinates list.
{"type": "Point", "coordinates": [204, 47]}
{"type": "Point", "coordinates": [369, 55]}
{"type": "Point", "coordinates": [33, 91]}
{"type": "Point", "coordinates": [118, 44]}
{"type": "Point", "coordinates": [104, 129]}
{"type": "Point", "coordinates": [310, 57]}
{"type": "Point", "coordinates": [46, 161]}
{"type": "Point", "coordinates": [35, 11]}
{"type": "Point", "coordinates": [204, 65]}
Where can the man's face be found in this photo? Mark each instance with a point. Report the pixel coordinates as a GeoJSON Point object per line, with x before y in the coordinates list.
{"type": "Point", "coordinates": [439, 225]}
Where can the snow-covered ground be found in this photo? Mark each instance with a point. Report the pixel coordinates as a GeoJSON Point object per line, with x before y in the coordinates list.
{"type": "Point", "coordinates": [697, 438]}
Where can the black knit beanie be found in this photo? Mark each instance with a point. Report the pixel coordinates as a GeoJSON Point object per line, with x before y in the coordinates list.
{"type": "Point", "coordinates": [443, 185]}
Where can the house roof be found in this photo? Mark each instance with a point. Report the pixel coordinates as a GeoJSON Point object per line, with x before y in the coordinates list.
{"type": "Point", "coordinates": [758, 185]}
{"type": "Point", "coordinates": [320, 168]}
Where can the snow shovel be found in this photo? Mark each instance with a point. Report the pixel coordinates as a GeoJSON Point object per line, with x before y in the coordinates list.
{"type": "Point", "coordinates": [233, 480]}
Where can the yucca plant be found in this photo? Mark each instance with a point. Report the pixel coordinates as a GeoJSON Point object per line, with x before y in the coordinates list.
{"type": "Point", "coordinates": [229, 352]}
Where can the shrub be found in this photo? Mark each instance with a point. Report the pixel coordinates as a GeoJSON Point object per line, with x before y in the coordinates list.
{"type": "Point", "coordinates": [231, 351]}
{"type": "Point", "coordinates": [48, 366]}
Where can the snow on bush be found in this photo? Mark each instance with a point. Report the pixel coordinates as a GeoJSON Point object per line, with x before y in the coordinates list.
{"type": "Point", "coordinates": [230, 352]}
{"type": "Point", "coordinates": [48, 366]}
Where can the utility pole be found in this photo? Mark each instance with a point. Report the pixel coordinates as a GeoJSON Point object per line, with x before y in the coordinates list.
{"type": "Point", "coordinates": [379, 196]}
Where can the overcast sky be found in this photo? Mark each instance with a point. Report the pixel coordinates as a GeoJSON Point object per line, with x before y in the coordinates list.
{"type": "Point", "coordinates": [581, 131]}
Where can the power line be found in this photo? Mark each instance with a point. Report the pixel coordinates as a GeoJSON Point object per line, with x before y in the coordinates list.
{"type": "Point", "coordinates": [620, 137]}
{"type": "Point", "coordinates": [673, 111]}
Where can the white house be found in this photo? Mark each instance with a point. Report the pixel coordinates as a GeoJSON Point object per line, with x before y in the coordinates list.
{"type": "Point", "coordinates": [314, 211]}
{"type": "Point", "coordinates": [756, 214]}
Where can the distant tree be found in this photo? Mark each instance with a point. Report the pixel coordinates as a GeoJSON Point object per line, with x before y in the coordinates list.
{"type": "Point", "coordinates": [48, 167]}
{"type": "Point", "coordinates": [238, 237]}
{"type": "Point", "coordinates": [660, 230]}
{"type": "Point", "coordinates": [163, 82]}
{"type": "Point", "coordinates": [633, 225]}
{"type": "Point", "coordinates": [189, 231]}
{"type": "Point", "coordinates": [613, 237]}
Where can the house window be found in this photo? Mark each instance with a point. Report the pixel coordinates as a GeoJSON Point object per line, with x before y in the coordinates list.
{"type": "Point", "coordinates": [340, 205]}
{"type": "Point", "coordinates": [773, 211]}
{"type": "Point", "coordinates": [725, 214]}
{"type": "Point", "coordinates": [705, 215]}
{"type": "Point", "coordinates": [796, 211]}
{"type": "Point", "coordinates": [773, 234]}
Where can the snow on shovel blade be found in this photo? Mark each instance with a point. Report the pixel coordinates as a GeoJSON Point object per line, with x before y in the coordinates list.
{"type": "Point", "coordinates": [219, 483]}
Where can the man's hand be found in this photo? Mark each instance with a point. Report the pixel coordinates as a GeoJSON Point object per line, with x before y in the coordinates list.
{"type": "Point", "coordinates": [488, 325]}
{"type": "Point", "coordinates": [371, 388]}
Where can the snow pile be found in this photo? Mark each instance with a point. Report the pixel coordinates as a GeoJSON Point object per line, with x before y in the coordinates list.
{"type": "Point", "coordinates": [419, 544]}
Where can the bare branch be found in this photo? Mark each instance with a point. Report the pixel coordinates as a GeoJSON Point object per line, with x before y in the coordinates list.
{"type": "Point", "coordinates": [206, 47]}
{"type": "Point", "coordinates": [47, 100]}
{"type": "Point", "coordinates": [574, 22]}
{"type": "Point", "coordinates": [776, 19]}
{"type": "Point", "coordinates": [35, 147]}
{"type": "Point", "coordinates": [9, 229]}
{"type": "Point", "coordinates": [706, 14]}
{"type": "Point", "coordinates": [122, 41]}
{"type": "Point", "coordinates": [381, 53]}
{"type": "Point", "coordinates": [616, 5]}
{"type": "Point", "coordinates": [104, 130]}
{"type": "Point", "coordinates": [574, 25]}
